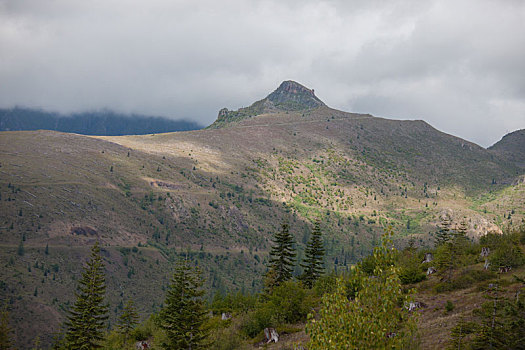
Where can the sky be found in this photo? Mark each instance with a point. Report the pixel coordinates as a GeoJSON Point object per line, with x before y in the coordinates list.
{"type": "Point", "coordinates": [459, 64]}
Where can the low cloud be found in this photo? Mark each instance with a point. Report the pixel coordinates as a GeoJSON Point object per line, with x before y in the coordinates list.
{"type": "Point", "coordinates": [455, 64]}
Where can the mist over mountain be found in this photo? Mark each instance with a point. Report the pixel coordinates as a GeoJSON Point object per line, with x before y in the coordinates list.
{"type": "Point", "coordinates": [100, 123]}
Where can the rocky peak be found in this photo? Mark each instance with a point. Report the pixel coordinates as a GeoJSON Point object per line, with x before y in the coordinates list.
{"type": "Point", "coordinates": [291, 95]}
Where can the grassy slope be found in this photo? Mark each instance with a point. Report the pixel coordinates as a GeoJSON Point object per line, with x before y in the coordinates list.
{"type": "Point", "coordinates": [226, 190]}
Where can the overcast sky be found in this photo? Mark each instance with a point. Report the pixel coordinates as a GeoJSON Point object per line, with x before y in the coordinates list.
{"type": "Point", "coordinates": [459, 65]}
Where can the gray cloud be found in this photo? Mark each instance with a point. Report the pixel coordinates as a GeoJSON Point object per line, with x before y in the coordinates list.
{"type": "Point", "coordinates": [456, 64]}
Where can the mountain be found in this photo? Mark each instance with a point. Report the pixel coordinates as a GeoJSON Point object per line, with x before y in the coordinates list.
{"type": "Point", "coordinates": [217, 195]}
{"type": "Point", "coordinates": [289, 96]}
{"type": "Point", "coordinates": [90, 123]}
{"type": "Point", "coordinates": [512, 147]}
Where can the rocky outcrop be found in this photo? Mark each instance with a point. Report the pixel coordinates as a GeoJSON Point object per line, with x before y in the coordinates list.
{"type": "Point", "coordinates": [289, 96]}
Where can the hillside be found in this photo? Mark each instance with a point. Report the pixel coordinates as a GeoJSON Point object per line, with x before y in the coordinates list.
{"type": "Point", "coordinates": [512, 147]}
{"type": "Point", "coordinates": [219, 194]}
{"type": "Point", "coordinates": [90, 123]}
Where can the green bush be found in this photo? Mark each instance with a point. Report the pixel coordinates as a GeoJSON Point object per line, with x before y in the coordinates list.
{"type": "Point", "coordinates": [288, 303]}
{"type": "Point", "coordinates": [325, 284]}
{"type": "Point", "coordinates": [465, 280]}
{"type": "Point", "coordinates": [507, 253]}
{"type": "Point", "coordinates": [411, 274]}
{"type": "Point", "coordinates": [449, 306]}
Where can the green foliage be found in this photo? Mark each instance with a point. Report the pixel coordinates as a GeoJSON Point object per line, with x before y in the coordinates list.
{"type": "Point", "coordinates": [282, 258]}
{"type": "Point", "coordinates": [449, 306]}
{"type": "Point", "coordinates": [443, 235]}
{"type": "Point", "coordinates": [325, 284]}
{"type": "Point", "coordinates": [507, 253]}
{"type": "Point", "coordinates": [227, 335]}
{"type": "Point", "coordinates": [451, 253]}
{"type": "Point", "coordinates": [464, 279]}
{"type": "Point", "coordinates": [376, 311]}
{"type": "Point", "coordinates": [409, 262]}
{"type": "Point", "coordinates": [287, 303]}
{"type": "Point", "coordinates": [128, 319]}
{"type": "Point", "coordinates": [183, 315]}
{"type": "Point", "coordinates": [498, 324]}
{"type": "Point", "coordinates": [87, 318]}
{"type": "Point", "coordinates": [290, 302]}
{"type": "Point", "coordinates": [313, 261]}
{"type": "Point", "coordinates": [411, 274]}
{"type": "Point", "coordinates": [235, 303]}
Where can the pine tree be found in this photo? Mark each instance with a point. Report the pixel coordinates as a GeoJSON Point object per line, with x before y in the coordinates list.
{"type": "Point", "coordinates": [5, 338]}
{"type": "Point", "coordinates": [313, 261]}
{"type": "Point", "coordinates": [87, 318]}
{"type": "Point", "coordinates": [443, 234]}
{"type": "Point", "coordinates": [128, 319]}
{"type": "Point", "coordinates": [183, 315]}
{"type": "Point", "coordinates": [282, 257]}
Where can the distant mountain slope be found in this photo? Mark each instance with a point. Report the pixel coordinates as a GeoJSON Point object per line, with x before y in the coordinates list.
{"type": "Point", "coordinates": [220, 193]}
{"type": "Point", "coordinates": [90, 123]}
{"type": "Point", "coordinates": [512, 147]}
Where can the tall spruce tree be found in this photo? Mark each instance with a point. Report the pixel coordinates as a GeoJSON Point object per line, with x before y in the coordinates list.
{"type": "Point", "coordinates": [313, 261]}
{"type": "Point", "coordinates": [128, 319]}
{"type": "Point", "coordinates": [282, 257]}
{"type": "Point", "coordinates": [183, 315]}
{"type": "Point", "coordinates": [87, 318]}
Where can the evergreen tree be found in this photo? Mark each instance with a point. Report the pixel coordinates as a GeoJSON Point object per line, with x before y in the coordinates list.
{"type": "Point", "coordinates": [313, 261]}
{"type": "Point", "coordinates": [128, 319]}
{"type": "Point", "coordinates": [5, 338]}
{"type": "Point", "coordinates": [183, 315]}
{"type": "Point", "coordinates": [87, 318]}
{"type": "Point", "coordinates": [21, 251]}
{"type": "Point", "coordinates": [282, 258]}
{"type": "Point", "coordinates": [443, 234]}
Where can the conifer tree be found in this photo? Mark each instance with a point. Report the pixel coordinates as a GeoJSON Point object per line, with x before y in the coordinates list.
{"type": "Point", "coordinates": [128, 319]}
{"type": "Point", "coordinates": [282, 257]}
{"type": "Point", "coordinates": [443, 235]}
{"type": "Point", "coordinates": [87, 318]}
{"type": "Point", "coordinates": [21, 251]}
{"type": "Point", "coordinates": [313, 261]}
{"type": "Point", "coordinates": [183, 315]}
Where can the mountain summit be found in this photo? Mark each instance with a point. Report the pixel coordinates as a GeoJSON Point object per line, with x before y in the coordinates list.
{"type": "Point", "coordinates": [289, 96]}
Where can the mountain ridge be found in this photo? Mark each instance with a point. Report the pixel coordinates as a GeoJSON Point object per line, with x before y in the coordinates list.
{"type": "Point", "coordinates": [511, 147]}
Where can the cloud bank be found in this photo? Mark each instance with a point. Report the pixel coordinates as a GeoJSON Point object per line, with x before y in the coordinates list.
{"type": "Point", "coordinates": [458, 65]}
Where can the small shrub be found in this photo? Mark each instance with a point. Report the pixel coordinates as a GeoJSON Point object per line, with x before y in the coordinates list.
{"type": "Point", "coordinates": [449, 306]}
